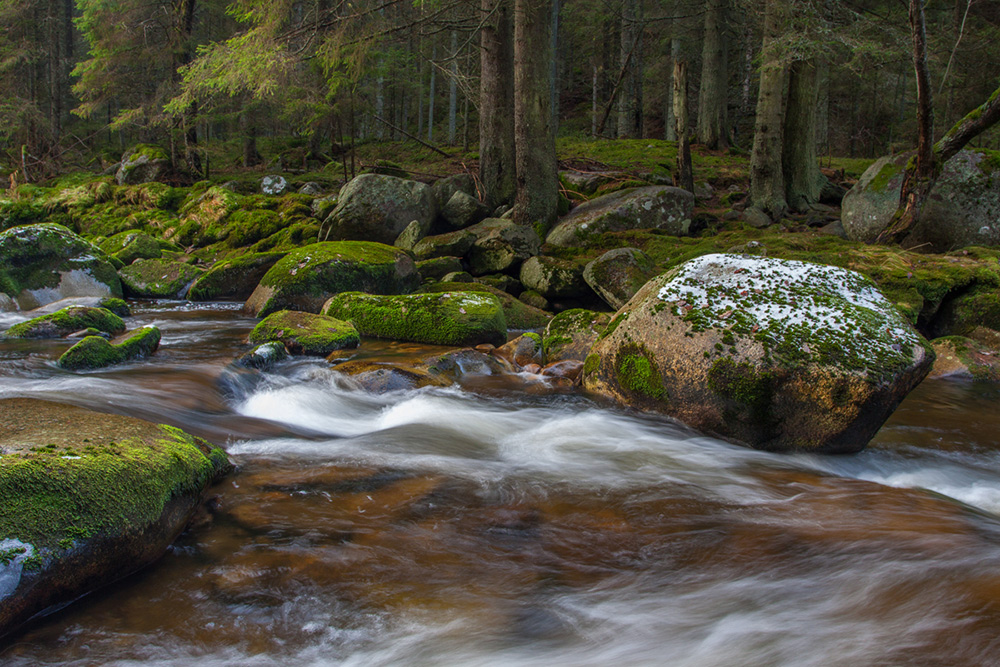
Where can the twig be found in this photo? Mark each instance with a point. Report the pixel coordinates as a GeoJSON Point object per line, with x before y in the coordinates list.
{"type": "Point", "coordinates": [417, 139]}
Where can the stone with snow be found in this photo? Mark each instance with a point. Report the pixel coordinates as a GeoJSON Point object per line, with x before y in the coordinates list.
{"type": "Point", "coordinates": [273, 185]}
{"type": "Point", "coordinates": [775, 354]}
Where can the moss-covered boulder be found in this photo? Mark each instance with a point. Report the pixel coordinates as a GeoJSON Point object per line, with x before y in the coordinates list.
{"type": "Point", "coordinates": [654, 207]}
{"type": "Point", "coordinates": [130, 246]}
{"type": "Point", "coordinates": [158, 278]}
{"type": "Point", "coordinates": [438, 267]}
{"type": "Point", "coordinates": [66, 321]}
{"type": "Point", "coordinates": [962, 209]}
{"type": "Point", "coordinates": [553, 278]}
{"type": "Point", "coordinates": [501, 245]}
{"type": "Point", "coordinates": [305, 333]}
{"type": "Point", "coordinates": [462, 210]}
{"type": "Point", "coordinates": [117, 306]}
{"type": "Point", "coordinates": [43, 263]}
{"type": "Point", "coordinates": [571, 334]}
{"type": "Point", "coordinates": [373, 207]}
{"type": "Point", "coordinates": [775, 354]}
{"type": "Point", "coordinates": [88, 498]}
{"type": "Point", "coordinates": [518, 315]}
{"type": "Point", "coordinates": [305, 278]}
{"type": "Point", "coordinates": [233, 278]}
{"type": "Point", "coordinates": [452, 244]}
{"type": "Point", "coordinates": [444, 188]}
{"type": "Point", "coordinates": [618, 274]}
{"type": "Point", "coordinates": [141, 164]}
{"type": "Point", "coordinates": [963, 358]}
{"type": "Point", "coordinates": [203, 217]}
{"type": "Point", "coordinates": [95, 352]}
{"type": "Point", "coordinates": [263, 357]}
{"type": "Point", "coordinates": [447, 318]}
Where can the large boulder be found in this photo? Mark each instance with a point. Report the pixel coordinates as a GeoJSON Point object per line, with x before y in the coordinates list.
{"type": "Point", "coordinates": [779, 355]}
{"type": "Point", "coordinates": [142, 164]}
{"type": "Point", "coordinates": [95, 352]}
{"type": "Point", "coordinates": [652, 207]}
{"type": "Point", "coordinates": [500, 245]}
{"type": "Point", "coordinates": [88, 498]}
{"type": "Point", "coordinates": [518, 315]}
{"type": "Point", "coordinates": [962, 209]}
{"type": "Point", "coordinates": [234, 278]}
{"type": "Point", "coordinates": [618, 274]}
{"type": "Point", "coordinates": [305, 333]}
{"type": "Point", "coordinates": [158, 278]}
{"type": "Point", "coordinates": [373, 207]}
{"type": "Point", "coordinates": [43, 263]}
{"type": "Point", "coordinates": [553, 278]}
{"type": "Point", "coordinates": [446, 318]}
{"type": "Point", "coordinates": [66, 321]}
{"type": "Point", "coordinates": [305, 278]}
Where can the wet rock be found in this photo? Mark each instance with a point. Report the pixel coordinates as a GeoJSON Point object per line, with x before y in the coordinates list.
{"type": "Point", "coordinates": [553, 278]}
{"type": "Point", "coordinates": [962, 209]}
{"type": "Point", "coordinates": [462, 210]}
{"type": "Point", "coordinates": [116, 306]}
{"type": "Point", "coordinates": [452, 244]}
{"type": "Point", "coordinates": [263, 357]}
{"type": "Point", "coordinates": [130, 246]}
{"type": "Point", "coordinates": [500, 245]}
{"type": "Point", "coordinates": [305, 333]}
{"type": "Point", "coordinates": [88, 498]}
{"type": "Point", "coordinates": [158, 278]}
{"type": "Point", "coordinates": [66, 321]}
{"type": "Point", "coordinates": [523, 350]}
{"type": "Point", "coordinates": [447, 318]}
{"type": "Point", "coordinates": [438, 267]}
{"type": "Point", "coordinates": [568, 368]}
{"type": "Point", "coordinates": [43, 263]}
{"type": "Point", "coordinates": [964, 358]}
{"type": "Point", "coordinates": [518, 315]}
{"type": "Point", "coordinates": [142, 164]}
{"type": "Point", "coordinates": [458, 364]}
{"type": "Point", "coordinates": [652, 207]}
{"type": "Point", "coordinates": [618, 274]}
{"type": "Point", "coordinates": [95, 352]}
{"type": "Point", "coordinates": [233, 278]}
{"type": "Point", "coordinates": [775, 354]}
{"type": "Point", "coordinates": [273, 185]}
{"type": "Point", "coordinates": [373, 207]}
{"type": "Point", "coordinates": [571, 333]}
{"type": "Point", "coordinates": [380, 378]}
{"type": "Point", "coordinates": [305, 278]}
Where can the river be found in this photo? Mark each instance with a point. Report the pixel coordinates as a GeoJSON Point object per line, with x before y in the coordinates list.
{"type": "Point", "coordinates": [499, 523]}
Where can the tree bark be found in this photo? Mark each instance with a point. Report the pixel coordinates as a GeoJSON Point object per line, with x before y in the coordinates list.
{"type": "Point", "coordinates": [496, 105]}
{"type": "Point", "coordinates": [685, 175]}
{"type": "Point", "coordinates": [430, 98]}
{"type": "Point", "coordinates": [803, 179]}
{"type": "Point", "coordinates": [712, 95]}
{"type": "Point", "coordinates": [453, 90]}
{"type": "Point", "coordinates": [767, 182]}
{"type": "Point", "coordinates": [537, 195]}
{"type": "Point", "coordinates": [629, 117]}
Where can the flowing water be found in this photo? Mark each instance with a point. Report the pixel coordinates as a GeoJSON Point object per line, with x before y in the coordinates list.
{"type": "Point", "coordinates": [501, 524]}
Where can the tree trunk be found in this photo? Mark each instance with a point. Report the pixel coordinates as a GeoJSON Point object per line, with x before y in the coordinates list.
{"type": "Point", "coordinates": [712, 94]}
{"type": "Point", "coordinates": [453, 90]}
{"type": "Point", "coordinates": [685, 175]}
{"type": "Point", "coordinates": [767, 183]}
{"type": "Point", "coordinates": [496, 105]}
{"type": "Point", "coordinates": [628, 128]}
{"type": "Point", "coordinates": [248, 128]}
{"type": "Point", "coordinates": [430, 98]}
{"type": "Point", "coordinates": [676, 48]}
{"type": "Point", "coordinates": [803, 180]}
{"type": "Point", "coordinates": [537, 195]}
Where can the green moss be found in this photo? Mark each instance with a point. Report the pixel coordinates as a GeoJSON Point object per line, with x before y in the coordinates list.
{"type": "Point", "coordinates": [66, 321]}
{"type": "Point", "coordinates": [305, 333]}
{"type": "Point", "coordinates": [116, 306]}
{"type": "Point", "coordinates": [591, 364]}
{"type": "Point", "coordinates": [234, 276]}
{"type": "Point", "coordinates": [742, 383]}
{"type": "Point", "coordinates": [247, 227]}
{"type": "Point", "coordinates": [7, 556]}
{"type": "Point", "coordinates": [638, 373]}
{"type": "Point", "coordinates": [450, 318]}
{"type": "Point", "coordinates": [158, 278]}
{"type": "Point", "coordinates": [518, 315]}
{"type": "Point", "coordinates": [94, 352]}
{"type": "Point", "coordinates": [880, 182]}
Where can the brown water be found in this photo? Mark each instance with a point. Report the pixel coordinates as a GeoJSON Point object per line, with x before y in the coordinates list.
{"type": "Point", "coordinates": [451, 527]}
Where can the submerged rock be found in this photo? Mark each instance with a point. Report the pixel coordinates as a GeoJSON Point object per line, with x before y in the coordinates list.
{"type": "Point", "coordinates": [448, 318]}
{"type": "Point", "coordinates": [962, 209]}
{"type": "Point", "coordinates": [95, 352]}
{"type": "Point", "coordinates": [159, 278]}
{"type": "Point", "coordinates": [66, 321]}
{"type": "Point", "coordinates": [775, 354]}
{"type": "Point", "coordinates": [88, 498]}
{"type": "Point", "coordinates": [307, 277]}
{"type": "Point", "coordinates": [43, 263]}
{"type": "Point", "coordinates": [305, 333]}
{"type": "Point", "coordinates": [373, 207]}
{"type": "Point", "coordinates": [652, 207]}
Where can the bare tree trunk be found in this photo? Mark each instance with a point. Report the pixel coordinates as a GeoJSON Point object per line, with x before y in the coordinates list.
{"type": "Point", "coordinates": [713, 91]}
{"type": "Point", "coordinates": [685, 175]}
{"type": "Point", "coordinates": [767, 183]}
{"type": "Point", "coordinates": [496, 105]}
{"type": "Point", "coordinates": [430, 98]}
{"type": "Point", "coordinates": [630, 34]}
{"type": "Point", "coordinates": [251, 157]}
{"type": "Point", "coordinates": [803, 180]}
{"type": "Point", "coordinates": [676, 48]}
{"type": "Point", "coordinates": [453, 90]}
{"type": "Point", "coordinates": [537, 195]}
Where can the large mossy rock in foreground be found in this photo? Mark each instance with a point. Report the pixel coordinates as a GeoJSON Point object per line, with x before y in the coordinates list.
{"type": "Point", "coordinates": [447, 318]}
{"type": "Point", "coordinates": [305, 333]}
{"type": "Point", "coordinates": [962, 209]}
{"type": "Point", "coordinates": [305, 278]}
{"type": "Point", "coordinates": [775, 354]}
{"type": "Point", "coordinates": [43, 263]}
{"type": "Point", "coordinates": [88, 498]}
{"type": "Point", "coordinates": [66, 321]}
{"type": "Point", "coordinates": [653, 207]}
{"type": "Point", "coordinates": [95, 352]}
{"type": "Point", "coordinates": [373, 207]}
